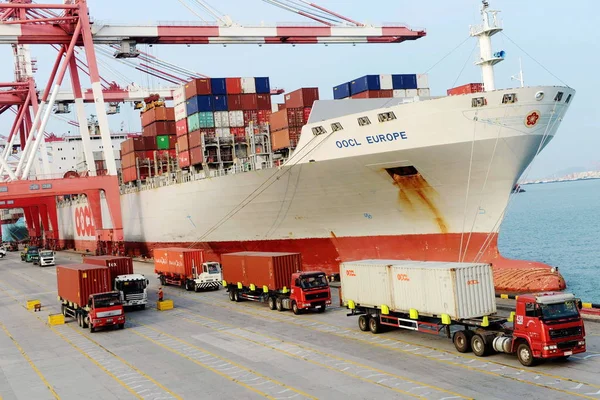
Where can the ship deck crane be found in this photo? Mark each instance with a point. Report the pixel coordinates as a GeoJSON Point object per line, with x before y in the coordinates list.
{"type": "Point", "coordinates": [69, 26]}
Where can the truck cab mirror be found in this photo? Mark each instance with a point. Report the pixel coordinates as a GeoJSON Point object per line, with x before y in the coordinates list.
{"type": "Point", "coordinates": [579, 304]}
{"type": "Point", "coordinates": [297, 283]}
{"type": "Point", "coordinates": [147, 282]}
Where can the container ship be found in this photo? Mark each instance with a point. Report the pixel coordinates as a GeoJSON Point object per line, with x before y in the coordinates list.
{"type": "Point", "coordinates": [384, 170]}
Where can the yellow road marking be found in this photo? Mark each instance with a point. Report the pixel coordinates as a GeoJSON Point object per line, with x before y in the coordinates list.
{"type": "Point", "coordinates": [216, 356]}
{"type": "Point", "coordinates": [414, 354]}
{"type": "Point", "coordinates": [321, 353]}
{"type": "Point", "coordinates": [33, 366]}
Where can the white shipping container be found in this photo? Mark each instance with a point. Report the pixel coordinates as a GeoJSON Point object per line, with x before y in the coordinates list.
{"type": "Point", "coordinates": [179, 95]}
{"type": "Point", "coordinates": [236, 119]}
{"type": "Point", "coordinates": [400, 93]}
{"type": "Point", "coordinates": [422, 81]}
{"type": "Point", "coordinates": [222, 119]}
{"type": "Point", "coordinates": [385, 82]}
{"type": "Point", "coordinates": [248, 85]}
{"type": "Point", "coordinates": [461, 290]}
{"type": "Point", "coordinates": [424, 92]}
{"type": "Point", "coordinates": [412, 92]}
{"type": "Point", "coordinates": [223, 132]}
{"type": "Point", "coordinates": [180, 111]}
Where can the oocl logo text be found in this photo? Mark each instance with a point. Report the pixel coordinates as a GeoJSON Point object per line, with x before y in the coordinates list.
{"type": "Point", "coordinates": [350, 272]}
{"type": "Point", "coordinates": [403, 277]}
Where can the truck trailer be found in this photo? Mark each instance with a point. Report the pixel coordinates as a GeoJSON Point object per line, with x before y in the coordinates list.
{"type": "Point", "coordinates": [85, 294]}
{"type": "Point", "coordinates": [458, 299]}
{"type": "Point", "coordinates": [187, 268]}
{"type": "Point", "coordinates": [133, 288]}
{"type": "Point", "coordinates": [275, 278]}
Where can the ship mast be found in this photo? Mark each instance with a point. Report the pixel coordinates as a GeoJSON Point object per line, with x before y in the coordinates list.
{"type": "Point", "coordinates": [484, 33]}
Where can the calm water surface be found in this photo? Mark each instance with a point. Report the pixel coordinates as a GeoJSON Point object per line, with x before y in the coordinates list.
{"type": "Point", "coordinates": [558, 224]}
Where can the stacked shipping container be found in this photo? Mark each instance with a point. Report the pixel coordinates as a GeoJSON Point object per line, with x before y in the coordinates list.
{"type": "Point", "coordinates": [384, 86]}
{"type": "Point", "coordinates": [286, 124]}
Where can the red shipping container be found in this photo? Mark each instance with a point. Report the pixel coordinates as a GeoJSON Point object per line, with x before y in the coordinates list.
{"type": "Point", "coordinates": [280, 139]}
{"type": "Point", "coordinates": [183, 143]}
{"type": "Point", "coordinates": [172, 141]}
{"type": "Point", "coordinates": [295, 116]}
{"type": "Point", "coordinates": [280, 106]}
{"type": "Point", "coordinates": [181, 127]}
{"type": "Point", "coordinates": [306, 114]}
{"type": "Point", "coordinates": [234, 102]}
{"type": "Point", "coordinates": [195, 139]}
{"type": "Point", "coordinates": [295, 132]}
{"type": "Point", "coordinates": [250, 115]}
{"type": "Point", "coordinates": [158, 114]}
{"type": "Point", "coordinates": [273, 270]}
{"type": "Point", "coordinates": [116, 265]}
{"type": "Point", "coordinates": [263, 116]}
{"type": "Point", "coordinates": [304, 97]}
{"type": "Point", "coordinates": [129, 174]}
{"type": "Point", "coordinates": [466, 89]}
{"type": "Point", "coordinates": [263, 101]}
{"type": "Point", "coordinates": [77, 282]}
{"type": "Point", "coordinates": [385, 94]}
{"type": "Point", "coordinates": [178, 262]}
{"type": "Point", "coordinates": [132, 144]}
{"type": "Point", "coordinates": [196, 156]}
{"type": "Point", "coordinates": [238, 132]}
{"type": "Point", "coordinates": [278, 120]}
{"type": "Point", "coordinates": [197, 87]}
{"type": "Point", "coordinates": [149, 142]}
{"type": "Point", "coordinates": [128, 160]}
{"type": "Point", "coordinates": [234, 85]}
{"type": "Point", "coordinates": [249, 102]}
{"type": "Point", "coordinates": [159, 128]}
{"type": "Point", "coordinates": [183, 160]}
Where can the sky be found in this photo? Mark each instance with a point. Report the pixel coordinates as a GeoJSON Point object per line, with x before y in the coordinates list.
{"type": "Point", "coordinates": [562, 38]}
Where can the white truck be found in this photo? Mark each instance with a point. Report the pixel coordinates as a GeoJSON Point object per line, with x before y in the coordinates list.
{"type": "Point", "coordinates": [133, 289]}
{"type": "Point", "coordinates": [46, 258]}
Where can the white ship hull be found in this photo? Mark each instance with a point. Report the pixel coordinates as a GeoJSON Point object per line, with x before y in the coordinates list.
{"type": "Point", "coordinates": [339, 198]}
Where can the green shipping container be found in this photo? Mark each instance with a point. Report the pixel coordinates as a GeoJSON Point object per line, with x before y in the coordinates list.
{"type": "Point", "coordinates": [162, 142]}
{"type": "Point", "coordinates": [207, 120]}
{"type": "Point", "coordinates": [193, 122]}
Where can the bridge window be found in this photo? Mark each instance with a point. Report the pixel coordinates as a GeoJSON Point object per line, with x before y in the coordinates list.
{"type": "Point", "coordinates": [336, 126]}
{"type": "Point", "coordinates": [318, 130]}
{"type": "Point", "coordinates": [362, 121]}
{"type": "Point", "coordinates": [568, 99]}
{"type": "Point", "coordinates": [478, 102]}
{"type": "Point", "coordinates": [386, 116]}
{"type": "Point", "coordinates": [558, 96]}
{"type": "Point", "coordinates": [509, 98]}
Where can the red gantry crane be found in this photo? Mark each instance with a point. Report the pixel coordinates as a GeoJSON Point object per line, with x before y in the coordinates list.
{"type": "Point", "coordinates": [68, 26]}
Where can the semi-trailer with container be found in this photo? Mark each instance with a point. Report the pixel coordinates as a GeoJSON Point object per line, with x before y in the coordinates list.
{"type": "Point", "coordinates": [458, 299]}
{"type": "Point", "coordinates": [275, 278]}
{"type": "Point", "coordinates": [132, 287]}
{"type": "Point", "coordinates": [187, 268]}
{"type": "Point", "coordinates": [84, 292]}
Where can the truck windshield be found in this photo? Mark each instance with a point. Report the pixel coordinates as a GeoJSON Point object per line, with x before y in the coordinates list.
{"type": "Point", "coordinates": [106, 300]}
{"type": "Point", "coordinates": [46, 254]}
{"type": "Point", "coordinates": [313, 281]}
{"type": "Point", "coordinates": [567, 309]}
{"type": "Point", "coordinates": [213, 268]}
{"type": "Point", "coordinates": [32, 251]}
{"type": "Point", "coordinates": [132, 286]}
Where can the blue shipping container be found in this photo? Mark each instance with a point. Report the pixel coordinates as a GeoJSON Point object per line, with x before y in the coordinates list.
{"type": "Point", "coordinates": [404, 81]}
{"type": "Point", "coordinates": [218, 85]}
{"type": "Point", "coordinates": [219, 103]}
{"type": "Point", "coordinates": [199, 103]}
{"type": "Point", "coordinates": [341, 91]}
{"type": "Point", "coordinates": [364, 83]}
{"type": "Point", "coordinates": [262, 85]}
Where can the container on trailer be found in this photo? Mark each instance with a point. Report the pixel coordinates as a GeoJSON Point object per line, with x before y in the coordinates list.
{"type": "Point", "coordinates": [404, 81]}
{"type": "Point", "coordinates": [218, 86]}
{"type": "Point", "coordinates": [461, 290]}
{"type": "Point", "coordinates": [234, 85]}
{"type": "Point", "coordinates": [159, 128]}
{"type": "Point", "coordinates": [273, 270]}
{"type": "Point", "coordinates": [422, 81]}
{"type": "Point", "coordinates": [181, 127]}
{"type": "Point", "coordinates": [236, 119]}
{"type": "Point", "coordinates": [263, 101]}
{"type": "Point", "coordinates": [177, 261]}
{"type": "Point", "coordinates": [197, 87]}
{"type": "Point", "coordinates": [158, 114]}
{"type": "Point", "coordinates": [183, 159]}
{"type": "Point", "coordinates": [385, 82]}
{"type": "Point", "coordinates": [304, 97]}
{"type": "Point", "coordinates": [183, 143]}
{"type": "Point", "coordinates": [181, 111]}
{"type": "Point", "coordinates": [219, 103]}
{"type": "Point", "coordinates": [196, 156]}
{"type": "Point", "coordinates": [248, 85]}
{"type": "Point", "coordinates": [221, 119]}
{"type": "Point", "coordinates": [116, 265]}
{"type": "Point", "coordinates": [179, 95]}
{"type": "Point", "coordinates": [341, 91]}
{"type": "Point", "coordinates": [77, 282]}
{"type": "Point", "coordinates": [364, 83]}
{"type": "Point", "coordinates": [234, 102]}
{"type": "Point", "coordinates": [466, 89]}
{"type": "Point", "coordinates": [280, 139]}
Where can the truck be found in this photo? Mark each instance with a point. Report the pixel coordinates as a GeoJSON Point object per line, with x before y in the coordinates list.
{"type": "Point", "coordinates": [275, 277]}
{"type": "Point", "coordinates": [45, 258]}
{"type": "Point", "coordinates": [85, 295]}
{"type": "Point", "coordinates": [30, 254]}
{"type": "Point", "coordinates": [132, 287]}
{"type": "Point", "coordinates": [186, 268]}
{"type": "Point", "coordinates": [458, 299]}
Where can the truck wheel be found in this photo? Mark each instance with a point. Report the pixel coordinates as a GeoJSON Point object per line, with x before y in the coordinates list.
{"type": "Point", "coordinates": [480, 348]}
{"type": "Point", "coordinates": [525, 355]}
{"type": "Point", "coordinates": [121, 326]}
{"type": "Point", "coordinates": [143, 306]}
{"type": "Point", "coordinates": [163, 281]}
{"type": "Point", "coordinates": [279, 304]}
{"type": "Point", "coordinates": [461, 342]}
{"type": "Point", "coordinates": [322, 308]}
{"type": "Point", "coordinates": [374, 325]}
{"type": "Point", "coordinates": [272, 304]}
{"type": "Point", "coordinates": [189, 285]}
{"type": "Point", "coordinates": [236, 296]}
{"type": "Point", "coordinates": [92, 329]}
{"type": "Point", "coordinates": [295, 308]}
{"type": "Point", "coordinates": [63, 310]}
{"type": "Point", "coordinates": [363, 323]}
{"type": "Point", "coordinates": [79, 320]}
{"type": "Point", "coordinates": [231, 296]}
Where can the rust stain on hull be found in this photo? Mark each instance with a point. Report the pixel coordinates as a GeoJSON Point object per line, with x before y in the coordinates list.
{"type": "Point", "coordinates": [415, 191]}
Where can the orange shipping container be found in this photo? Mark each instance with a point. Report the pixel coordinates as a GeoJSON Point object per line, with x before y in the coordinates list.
{"type": "Point", "coordinates": [278, 120]}
{"type": "Point", "coordinates": [280, 139]}
{"type": "Point", "coordinates": [177, 262]}
{"type": "Point", "coordinates": [116, 265]}
{"type": "Point", "coordinates": [273, 270]}
{"type": "Point", "coordinates": [197, 87]}
{"type": "Point", "coordinates": [77, 282]}
{"type": "Point", "coordinates": [182, 142]}
{"type": "Point", "coordinates": [158, 114]}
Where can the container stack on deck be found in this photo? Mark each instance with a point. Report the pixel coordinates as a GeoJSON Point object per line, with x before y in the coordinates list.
{"type": "Point", "coordinates": [384, 86]}
{"type": "Point", "coordinates": [286, 124]}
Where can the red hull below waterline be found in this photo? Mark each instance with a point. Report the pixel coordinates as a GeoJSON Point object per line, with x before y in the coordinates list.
{"type": "Point", "coordinates": [510, 276]}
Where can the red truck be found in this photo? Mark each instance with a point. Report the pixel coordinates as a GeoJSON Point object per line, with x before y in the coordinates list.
{"type": "Point", "coordinates": [85, 294]}
{"type": "Point", "coordinates": [275, 278]}
{"type": "Point", "coordinates": [186, 267]}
